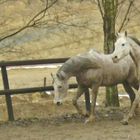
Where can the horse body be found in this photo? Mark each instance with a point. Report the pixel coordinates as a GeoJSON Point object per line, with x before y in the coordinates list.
{"type": "Point", "coordinates": [125, 46]}
{"type": "Point", "coordinates": [109, 73]}
{"type": "Point", "coordinates": [94, 67]}
{"type": "Point", "coordinates": [93, 70]}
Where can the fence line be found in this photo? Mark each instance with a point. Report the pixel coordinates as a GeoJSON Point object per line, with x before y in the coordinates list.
{"type": "Point", "coordinates": [32, 62]}
{"type": "Point", "coordinates": [30, 90]}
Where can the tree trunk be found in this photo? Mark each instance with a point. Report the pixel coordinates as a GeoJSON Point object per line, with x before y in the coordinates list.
{"type": "Point", "coordinates": [110, 7]}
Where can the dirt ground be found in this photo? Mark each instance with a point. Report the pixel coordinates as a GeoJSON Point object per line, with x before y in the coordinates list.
{"type": "Point", "coordinates": [37, 118]}
{"type": "Point", "coordinates": [49, 122]}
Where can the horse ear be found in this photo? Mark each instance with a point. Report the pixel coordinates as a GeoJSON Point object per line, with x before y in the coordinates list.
{"type": "Point", "coordinates": [61, 75]}
{"type": "Point", "coordinates": [125, 33]}
{"type": "Point", "coordinates": [58, 75]}
{"type": "Point", "coordinates": [118, 35]}
{"type": "Point", "coordinates": [52, 77]}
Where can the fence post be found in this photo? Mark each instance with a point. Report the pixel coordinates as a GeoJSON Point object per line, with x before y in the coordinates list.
{"type": "Point", "coordinates": [45, 83]}
{"type": "Point", "coordinates": [7, 96]}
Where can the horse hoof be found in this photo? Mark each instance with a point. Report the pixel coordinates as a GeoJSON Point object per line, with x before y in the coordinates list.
{"type": "Point", "coordinates": [86, 114]}
{"type": "Point", "coordinates": [90, 120]}
{"type": "Point", "coordinates": [86, 121]}
{"type": "Point", "coordinates": [124, 122]}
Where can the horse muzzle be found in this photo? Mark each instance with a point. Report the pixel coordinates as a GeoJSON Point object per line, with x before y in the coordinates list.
{"type": "Point", "coordinates": [58, 103]}
{"type": "Point", "coordinates": [115, 59]}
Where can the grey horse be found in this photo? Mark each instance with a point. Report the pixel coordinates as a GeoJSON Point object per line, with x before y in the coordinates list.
{"type": "Point", "coordinates": [125, 46]}
{"type": "Point", "coordinates": [92, 70]}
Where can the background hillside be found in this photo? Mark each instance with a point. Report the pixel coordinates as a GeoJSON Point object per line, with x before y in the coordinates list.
{"type": "Point", "coordinates": [70, 27]}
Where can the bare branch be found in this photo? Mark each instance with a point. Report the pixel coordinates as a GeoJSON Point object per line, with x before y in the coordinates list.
{"type": "Point", "coordinates": [100, 8]}
{"type": "Point", "coordinates": [40, 15]}
{"type": "Point", "coordinates": [126, 15]}
{"type": "Point", "coordinates": [3, 1]}
{"type": "Point", "coordinates": [119, 8]}
{"type": "Point", "coordinates": [121, 2]}
{"type": "Point", "coordinates": [136, 9]}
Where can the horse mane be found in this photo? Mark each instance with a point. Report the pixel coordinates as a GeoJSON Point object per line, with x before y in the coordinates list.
{"type": "Point", "coordinates": [135, 40]}
{"type": "Point", "coordinates": [81, 62]}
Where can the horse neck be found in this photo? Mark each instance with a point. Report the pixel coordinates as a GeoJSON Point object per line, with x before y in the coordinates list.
{"type": "Point", "coordinates": [68, 68]}
{"type": "Point", "coordinates": [135, 54]}
{"type": "Point", "coordinates": [65, 75]}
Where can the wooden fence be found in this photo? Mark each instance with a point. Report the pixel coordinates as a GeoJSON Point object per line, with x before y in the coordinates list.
{"type": "Point", "coordinates": [8, 92]}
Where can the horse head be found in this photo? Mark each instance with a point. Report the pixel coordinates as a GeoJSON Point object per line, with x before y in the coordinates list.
{"type": "Point", "coordinates": [60, 87]}
{"type": "Point", "coordinates": [122, 47]}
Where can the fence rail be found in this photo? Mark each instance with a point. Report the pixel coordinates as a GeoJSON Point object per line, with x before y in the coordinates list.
{"type": "Point", "coordinates": [32, 62]}
{"type": "Point", "coordinates": [8, 92]}
{"type": "Point", "coordinates": [31, 90]}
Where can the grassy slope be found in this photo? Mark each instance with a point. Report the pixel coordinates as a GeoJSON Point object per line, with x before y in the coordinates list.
{"type": "Point", "coordinates": [53, 40]}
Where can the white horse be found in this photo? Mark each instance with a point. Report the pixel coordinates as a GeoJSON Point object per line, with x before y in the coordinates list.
{"type": "Point", "coordinates": [124, 46]}
{"type": "Point", "coordinates": [92, 70]}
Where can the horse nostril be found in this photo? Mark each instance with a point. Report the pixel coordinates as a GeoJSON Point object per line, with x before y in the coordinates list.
{"type": "Point", "coordinates": [115, 57]}
{"type": "Point", "coordinates": [58, 103]}
{"type": "Point", "coordinates": [59, 86]}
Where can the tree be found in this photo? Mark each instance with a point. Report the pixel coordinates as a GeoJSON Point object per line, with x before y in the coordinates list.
{"type": "Point", "coordinates": [110, 7]}
{"type": "Point", "coordinates": [109, 11]}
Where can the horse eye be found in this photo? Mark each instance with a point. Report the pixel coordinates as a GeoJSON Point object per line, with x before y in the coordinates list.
{"type": "Point", "coordinates": [59, 86]}
{"type": "Point", "coordinates": [123, 44]}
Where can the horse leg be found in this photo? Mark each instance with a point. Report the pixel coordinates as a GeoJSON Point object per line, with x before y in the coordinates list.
{"type": "Point", "coordinates": [93, 104]}
{"type": "Point", "coordinates": [87, 102]}
{"type": "Point", "coordinates": [129, 91]}
{"type": "Point", "coordinates": [80, 91]}
{"type": "Point", "coordinates": [132, 109]}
